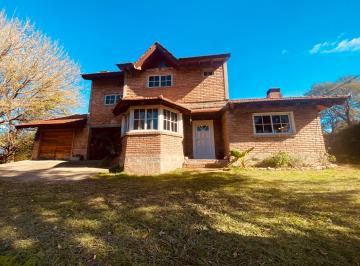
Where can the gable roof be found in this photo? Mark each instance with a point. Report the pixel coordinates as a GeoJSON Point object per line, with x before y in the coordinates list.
{"type": "Point", "coordinates": [157, 50]}
{"type": "Point", "coordinates": [154, 49]}
{"type": "Point", "coordinates": [65, 120]}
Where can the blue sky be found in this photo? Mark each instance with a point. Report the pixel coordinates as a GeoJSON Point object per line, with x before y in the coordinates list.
{"type": "Point", "coordinates": [286, 44]}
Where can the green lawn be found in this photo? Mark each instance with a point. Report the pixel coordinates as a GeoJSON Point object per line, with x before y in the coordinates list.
{"type": "Point", "coordinates": [185, 218]}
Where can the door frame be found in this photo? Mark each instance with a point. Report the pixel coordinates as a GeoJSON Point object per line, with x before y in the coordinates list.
{"type": "Point", "coordinates": [210, 123]}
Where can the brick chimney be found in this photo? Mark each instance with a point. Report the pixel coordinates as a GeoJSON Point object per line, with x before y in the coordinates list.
{"type": "Point", "coordinates": [273, 93]}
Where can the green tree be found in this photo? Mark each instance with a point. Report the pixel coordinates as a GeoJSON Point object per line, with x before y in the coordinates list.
{"type": "Point", "coordinates": [37, 80]}
{"type": "Point", "coordinates": [339, 116]}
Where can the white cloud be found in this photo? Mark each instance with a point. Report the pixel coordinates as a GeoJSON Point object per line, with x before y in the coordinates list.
{"type": "Point", "coordinates": [345, 45]}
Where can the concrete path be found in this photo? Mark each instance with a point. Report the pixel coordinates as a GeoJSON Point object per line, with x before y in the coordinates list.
{"type": "Point", "coordinates": [49, 171]}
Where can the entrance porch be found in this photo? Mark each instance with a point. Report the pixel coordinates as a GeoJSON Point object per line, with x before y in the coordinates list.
{"type": "Point", "coordinates": [203, 136]}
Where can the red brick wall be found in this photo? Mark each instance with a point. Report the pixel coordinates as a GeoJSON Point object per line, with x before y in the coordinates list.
{"type": "Point", "coordinates": [189, 85]}
{"type": "Point", "coordinates": [308, 142]}
{"type": "Point", "coordinates": [101, 114]}
{"type": "Point", "coordinates": [151, 152]}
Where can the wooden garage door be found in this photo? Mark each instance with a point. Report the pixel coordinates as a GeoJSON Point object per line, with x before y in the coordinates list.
{"type": "Point", "coordinates": [56, 144]}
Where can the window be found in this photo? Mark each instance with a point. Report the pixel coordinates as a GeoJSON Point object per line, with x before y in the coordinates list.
{"type": "Point", "coordinates": [277, 123]}
{"type": "Point", "coordinates": [127, 123]}
{"type": "Point", "coordinates": [145, 119]}
{"type": "Point", "coordinates": [151, 119]}
{"type": "Point", "coordinates": [160, 81]}
{"type": "Point", "coordinates": [112, 99]}
{"type": "Point", "coordinates": [208, 73]}
{"type": "Point", "coordinates": [170, 121]}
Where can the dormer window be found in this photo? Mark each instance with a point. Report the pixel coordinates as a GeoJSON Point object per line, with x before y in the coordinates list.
{"type": "Point", "coordinates": [112, 99]}
{"type": "Point", "coordinates": [160, 81]}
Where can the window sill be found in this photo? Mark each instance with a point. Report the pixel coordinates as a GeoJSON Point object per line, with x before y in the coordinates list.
{"type": "Point", "coordinates": [271, 135]}
{"type": "Point", "coordinates": [152, 132]}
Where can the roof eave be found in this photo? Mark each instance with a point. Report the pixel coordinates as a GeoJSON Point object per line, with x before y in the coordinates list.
{"type": "Point", "coordinates": [100, 75]}
{"type": "Point", "coordinates": [125, 104]}
{"type": "Point", "coordinates": [327, 101]}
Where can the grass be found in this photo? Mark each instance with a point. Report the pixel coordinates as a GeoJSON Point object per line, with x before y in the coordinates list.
{"type": "Point", "coordinates": [251, 217]}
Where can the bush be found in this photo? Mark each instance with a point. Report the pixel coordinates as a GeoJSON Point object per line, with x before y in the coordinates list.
{"type": "Point", "coordinates": [237, 155]}
{"type": "Point", "coordinates": [345, 144]}
{"type": "Point", "coordinates": [24, 145]}
{"type": "Point", "coordinates": [330, 157]}
{"type": "Point", "coordinates": [280, 159]}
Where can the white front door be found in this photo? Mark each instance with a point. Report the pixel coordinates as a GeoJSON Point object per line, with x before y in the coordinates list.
{"type": "Point", "coordinates": [203, 139]}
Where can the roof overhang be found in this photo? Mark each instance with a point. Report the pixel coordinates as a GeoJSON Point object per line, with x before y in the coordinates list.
{"type": "Point", "coordinates": [102, 75]}
{"type": "Point", "coordinates": [69, 121]}
{"type": "Point", "coordinates": [124, 104]}
{"type": "Point", "coordinates": [322, 102]}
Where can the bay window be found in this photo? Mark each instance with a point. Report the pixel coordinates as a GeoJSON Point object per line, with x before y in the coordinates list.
{"type": "Point", "coordinates": [170, 121]}
{"type": "Point", "coordinates": [148, 119]}
{"type": "Point", "coordinates": [145, 119]}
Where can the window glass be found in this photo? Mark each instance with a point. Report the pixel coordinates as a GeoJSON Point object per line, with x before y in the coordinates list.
{"type": "Point", "coordinates": [170, 121]}
{"type": "Point", "coordinates": [160, 81]}
{"type": "Point", "coordinates": [112, 99]}
{"type": "Point", "coordinates": [272, 124]}
{"type": "Point", "coordinates": [151, 119]}
{"type": "Point", "coordinates": [145, 119]}
{"type": "Point", "coordinates": [139, 119]}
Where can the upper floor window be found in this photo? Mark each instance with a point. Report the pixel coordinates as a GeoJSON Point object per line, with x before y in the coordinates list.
{"type": "Point", "coordinates": [160, 81]}
{"type": "Point", "coordinates": [145, 119]}
{"type": "Point", "coordinates": [208, 73]}
{"type": "Point", "coordinates": [170, 121]}
{"type": "Point", "coordinates": [272, 123]}
{"type": "Point", "coordinates": [112, 99]}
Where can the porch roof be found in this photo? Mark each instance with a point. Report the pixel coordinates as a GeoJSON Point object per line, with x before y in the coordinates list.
{"type": "Point", "coordinates": [73, 120]}
{"type": "Point", "coordinates": [124, 104]}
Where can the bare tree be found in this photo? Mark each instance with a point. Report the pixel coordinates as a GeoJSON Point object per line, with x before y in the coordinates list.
{"type": "Point", "coordinates": [37, 79]}
{"type": "Point", "coordinates": [340, 116]}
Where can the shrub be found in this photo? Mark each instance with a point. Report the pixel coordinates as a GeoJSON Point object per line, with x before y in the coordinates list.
{"type": "Point", "coordinates": [116, 169]}
{"type": "Point", "coordinates": [280, 159]}
{"type": "Point", "coordinates": [345, 144]}
{"type": "Point", "coordinates": [239, 156]}
{"type": "Point", "coordinates": [330, 157]}
{"type": "Point", "coordinates": [24, 145]}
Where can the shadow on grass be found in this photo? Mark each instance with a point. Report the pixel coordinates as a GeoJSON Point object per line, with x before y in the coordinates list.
{"type": "Point", "coordinates": [185, 218]}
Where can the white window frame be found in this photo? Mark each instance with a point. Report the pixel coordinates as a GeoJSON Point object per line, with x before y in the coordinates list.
{"type": "Point", "coordinates": [171, 122]}
{"type": "Point", "coordinates": [145, 122]}
{"type": "Point", "coordinates": [109, 95]}
{"type": "Point", "coordinates": [160, 108]}
{"type": "Point", "coordinates": [159, 75]}
{"type": "Point", "coordinates": [291, 121]}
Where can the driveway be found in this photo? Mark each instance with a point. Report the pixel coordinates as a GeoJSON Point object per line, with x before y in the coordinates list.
{"type": "Point", "coordinates": [49, 171]}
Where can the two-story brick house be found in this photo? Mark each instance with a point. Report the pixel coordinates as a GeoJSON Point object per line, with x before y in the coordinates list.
{"type": "Point", "coordinates": [158, 111]}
